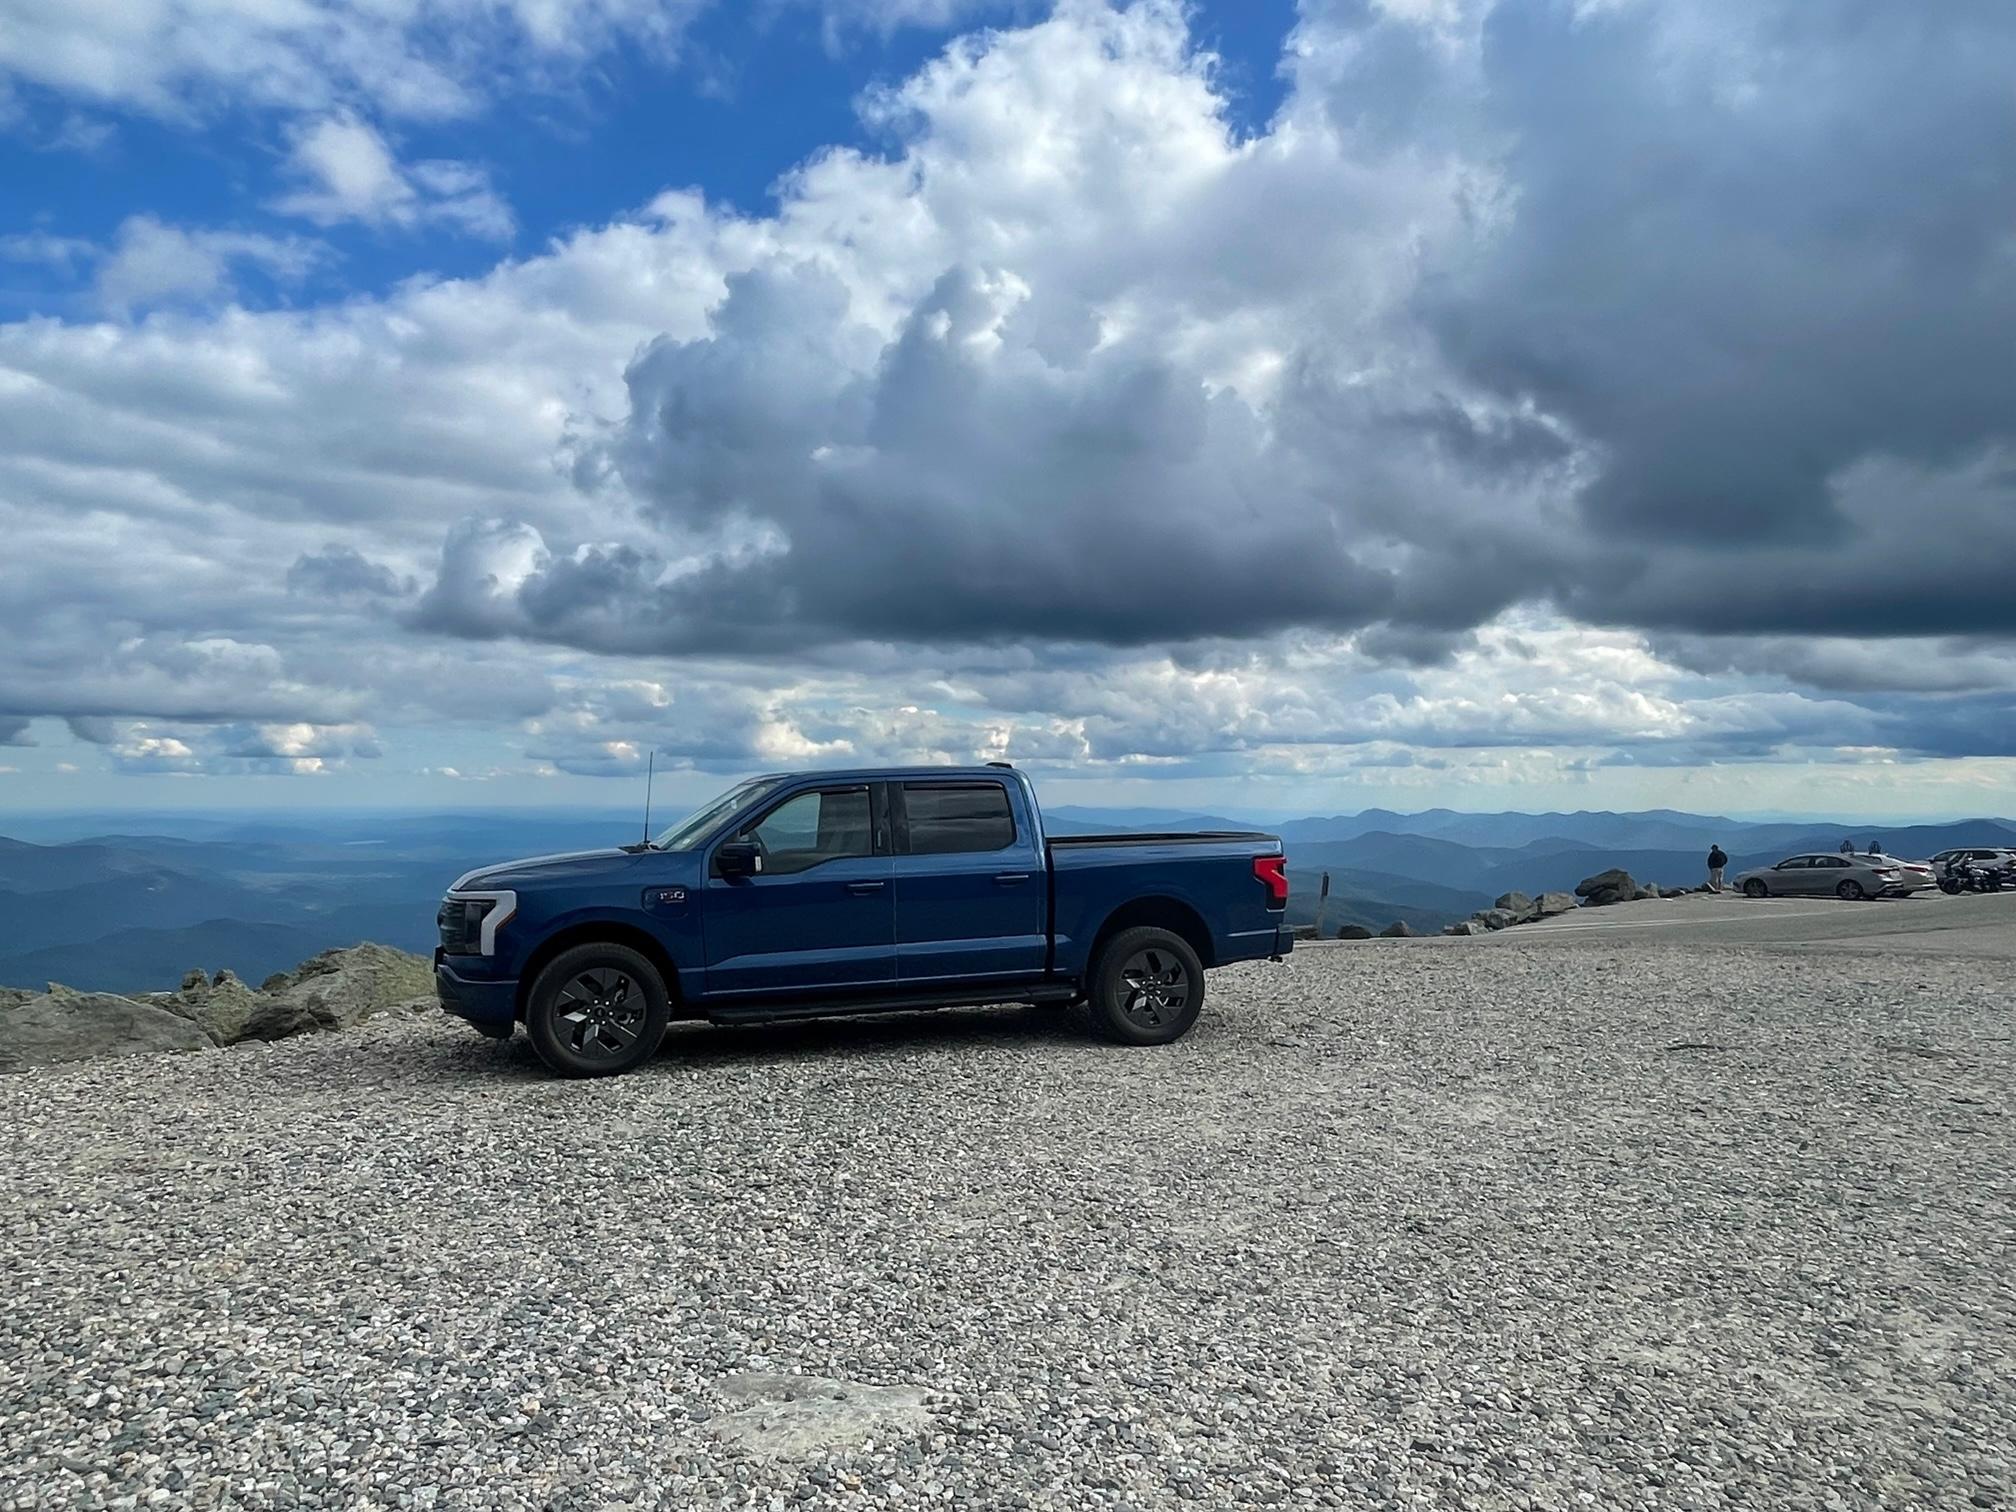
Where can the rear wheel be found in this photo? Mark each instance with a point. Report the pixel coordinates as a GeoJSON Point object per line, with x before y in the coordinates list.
{"type": "Point", "coordinates": [1851, 890]}
{"type": "Point", "coordinates": [1754, 889]}
{"type": "Point", "coordinates": [597, 1010]}
{"type": "Point", "coordinates": [1147, 987]}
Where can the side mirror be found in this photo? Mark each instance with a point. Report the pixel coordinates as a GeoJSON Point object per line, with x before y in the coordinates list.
{"type": "Point", "coordinates": [738, 858]}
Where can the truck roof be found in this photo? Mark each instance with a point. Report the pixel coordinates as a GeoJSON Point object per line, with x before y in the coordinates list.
{"type": "Point", "coordinates": [881, 774]}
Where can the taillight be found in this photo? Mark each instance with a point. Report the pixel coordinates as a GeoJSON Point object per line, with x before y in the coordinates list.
{"type": "Point", "coordinates": [1273, 872]}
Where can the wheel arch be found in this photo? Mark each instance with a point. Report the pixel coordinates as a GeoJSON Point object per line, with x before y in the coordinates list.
{"type": "Point", "coordinates": [600, 932]}
{"type": "Point", "coordinates": [1159, 912]}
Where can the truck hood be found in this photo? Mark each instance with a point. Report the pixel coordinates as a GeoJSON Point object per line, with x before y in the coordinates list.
{"type": "Point", "coordinates": [566, 865]}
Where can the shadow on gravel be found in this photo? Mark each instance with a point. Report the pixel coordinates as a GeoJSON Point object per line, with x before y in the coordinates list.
{"type": "Point", "coordinates": [704, 1044]}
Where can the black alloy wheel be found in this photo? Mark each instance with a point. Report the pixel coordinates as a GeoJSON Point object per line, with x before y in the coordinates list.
{"type": "Point", "coordinates": [1852, 891]}
{"type": "Point", "coordinates": [1147, 987]}
{"type": "Point", "coordinates": [596, 1010]}
{"type": "Point", "coordinates": [1754, 889]}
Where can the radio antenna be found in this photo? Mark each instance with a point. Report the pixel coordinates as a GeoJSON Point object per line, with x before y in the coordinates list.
{"type": "Point", "coordinates": [650, 772]}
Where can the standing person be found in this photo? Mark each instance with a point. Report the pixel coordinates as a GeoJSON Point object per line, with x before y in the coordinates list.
{"type": "Point", "coordinates": [1716, 861]}
{"type": "Point", "coordinates": [1847, 847]}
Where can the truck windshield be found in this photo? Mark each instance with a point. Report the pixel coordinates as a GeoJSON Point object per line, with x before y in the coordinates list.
{"type": "Point", "coordinates": [696, 826]}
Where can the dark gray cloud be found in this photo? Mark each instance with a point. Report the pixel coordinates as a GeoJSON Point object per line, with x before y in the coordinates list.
{"type": "Point", "coordinates": [1746, 246]}
{"type": "Point", "coordinates": [343, 572]}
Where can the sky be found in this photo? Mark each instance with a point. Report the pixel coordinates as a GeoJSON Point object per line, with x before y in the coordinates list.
{"type": "Point", "coordinates": [1245, 404]}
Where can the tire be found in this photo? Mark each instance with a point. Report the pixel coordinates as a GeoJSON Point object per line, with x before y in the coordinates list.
{"type": "Point", "coordinates": [1949, 887]}
{"type": "Point", "coordinates": [1851, 891]}
{"type": "Point", "coordinates": [1147, 988]}
{"type": "Point", "coordinates": [597, 1010]}
{"type": "Point", "coordinates": [1754, 889]}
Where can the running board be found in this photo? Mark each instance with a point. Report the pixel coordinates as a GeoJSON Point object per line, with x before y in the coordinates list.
{"type": "Point", "coordinates": [770, 1013]}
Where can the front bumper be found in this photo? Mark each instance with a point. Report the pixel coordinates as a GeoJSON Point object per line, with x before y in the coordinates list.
{"type": "Point", "coordinates": [490, 1005]}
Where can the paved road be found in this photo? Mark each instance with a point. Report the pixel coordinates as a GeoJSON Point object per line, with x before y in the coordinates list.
{"type": "Point", "coordinates": [1982, 927]}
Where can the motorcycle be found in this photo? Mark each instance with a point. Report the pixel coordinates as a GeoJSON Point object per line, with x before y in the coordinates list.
{"type": "Point", "coordinates": [1965, 876]}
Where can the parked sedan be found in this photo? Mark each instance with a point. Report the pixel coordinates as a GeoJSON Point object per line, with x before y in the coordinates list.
{"type": "Point", "coordinates": [1843, 876]}
{"type": "Point", "coordinates": [1916, 876]}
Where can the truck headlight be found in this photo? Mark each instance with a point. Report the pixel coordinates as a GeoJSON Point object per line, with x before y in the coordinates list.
{"type": "Point", "coordinates": [469, 921]}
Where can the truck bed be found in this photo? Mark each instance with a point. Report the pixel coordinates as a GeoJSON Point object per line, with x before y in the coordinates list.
{"type": "Point", "coordinates": [1207, 876]}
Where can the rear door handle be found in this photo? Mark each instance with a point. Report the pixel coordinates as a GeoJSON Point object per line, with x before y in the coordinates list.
{"type": "Point", "coordinates": [1009, 879]}
{"type": "Point", "coordinates": [865, 887]}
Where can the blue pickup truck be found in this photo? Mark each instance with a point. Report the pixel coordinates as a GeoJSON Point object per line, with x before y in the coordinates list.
{"type": "Point", "coordinates": [806, 895]}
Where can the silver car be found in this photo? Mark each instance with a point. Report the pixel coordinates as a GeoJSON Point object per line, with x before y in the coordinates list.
{"type": "Point", "coordinates": [1843, 876]}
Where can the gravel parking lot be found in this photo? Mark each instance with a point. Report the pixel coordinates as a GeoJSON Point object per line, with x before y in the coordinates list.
{"type": "Point", "coordinates": [1404, 1224]}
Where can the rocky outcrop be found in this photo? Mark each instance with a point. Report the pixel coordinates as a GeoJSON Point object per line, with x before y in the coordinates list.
{"type": "Point", "coordinates": [1354, 932]}
{"type": "Point", "coordinates": [45, 1028]}
{"type": "Point", "coordinates": [1397, 930]}
{"type": "Point", "coordinates": [335, 990]}
{"type": "Point", "coordinates": [1516, 908]}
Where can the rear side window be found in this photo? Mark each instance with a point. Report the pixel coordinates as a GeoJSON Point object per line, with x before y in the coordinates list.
{"type": "Point", "coordinates": [949, 818]}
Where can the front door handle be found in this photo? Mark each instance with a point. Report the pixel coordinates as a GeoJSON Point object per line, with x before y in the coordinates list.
{"type": "Point", "coordinates": [865, 887]}
{"type": "Point", "coordinates": [1009, 879]}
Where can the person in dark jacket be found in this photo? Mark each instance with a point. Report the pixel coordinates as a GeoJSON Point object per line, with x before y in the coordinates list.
{"type": "Point", "coordinates": [1716, 861]}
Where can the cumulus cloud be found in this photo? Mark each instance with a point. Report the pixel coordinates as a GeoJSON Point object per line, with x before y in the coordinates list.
{"type": "Point", "coordinates": [415, 58]}
{"type": "Point", "coordinates": [348, 172]}
{"type": "Point", "coordinates": [1546, 378]}
{"type": "Point", "coordinates": [150, 262]}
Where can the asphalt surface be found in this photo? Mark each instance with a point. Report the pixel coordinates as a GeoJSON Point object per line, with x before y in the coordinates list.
{"type": "Point", "coordinates": [1974, 926]}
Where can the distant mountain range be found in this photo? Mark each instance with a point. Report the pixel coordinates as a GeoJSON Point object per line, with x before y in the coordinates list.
{"type": "Point", "coordinates": [130, 903]}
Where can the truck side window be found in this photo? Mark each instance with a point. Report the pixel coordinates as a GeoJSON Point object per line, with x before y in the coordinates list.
{"type": "Point", "coordinates": [811, 828]}
{"type": "Point", "coordinates": [958, 817]}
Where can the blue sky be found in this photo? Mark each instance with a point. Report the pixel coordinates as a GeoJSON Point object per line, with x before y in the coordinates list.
{"type": "Point", "coordinates": [747, 93]}
{"type": "Point", "coordinates": [1484, 403]}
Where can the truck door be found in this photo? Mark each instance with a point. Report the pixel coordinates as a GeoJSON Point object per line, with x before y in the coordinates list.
{"type": "Point", "coordinates": [972, 900]}
{"type": "Point", "coordinates": [820, 914]}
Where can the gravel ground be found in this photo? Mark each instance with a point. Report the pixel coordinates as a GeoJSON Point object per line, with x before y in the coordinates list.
{"type": "Point", "coordinates": [1402, 1225]}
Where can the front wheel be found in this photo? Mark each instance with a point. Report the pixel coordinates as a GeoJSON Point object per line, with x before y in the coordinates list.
{"type": "Point", "coordinates": [1949, 886]}
{"type": "Point", "coordinates": [1851, 892]}
{"type": "Point", "coordinates": [1753, 889]}
{"type": "Point", "coordinates": [597, 1010]}
{"type": "Point", "coordinates": [1147, 987]}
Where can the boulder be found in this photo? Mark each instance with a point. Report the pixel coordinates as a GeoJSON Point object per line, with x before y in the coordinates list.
{"type": "Point", "coordinates": [336, 989]}
{"type": "Point", "coordinates": [1494, 919]}
{"type": "Point", "coordinates": [1397, 930]}
{"type": "Point", "coordinates": [1354, 932]}
{"type": "Point", "coordinates": [1465, 927]}
{"type": "Point", "coordinates": [44, 1029]}
{"type": "Point", "coordinates": [220, 1006]}
{"type": "Point", "coordinates": [1304, 931]}
{"type": "Point", "coordinates": [1613, 886]}
{"type": "Point", "coordinates": [1549, 904]}
{"type": "Point", "coordinates": [1520, 905]}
